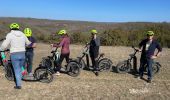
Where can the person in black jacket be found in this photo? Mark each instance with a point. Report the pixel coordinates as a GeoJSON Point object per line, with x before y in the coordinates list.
{"type": "Point", "coordinates": [94, 50]}
{"type": "Point", "coordinates": [148, 47]}
{"type": "Point", "coordinates": [29, 54]}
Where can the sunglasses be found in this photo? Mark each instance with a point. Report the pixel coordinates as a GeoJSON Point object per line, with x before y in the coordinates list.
{"type": "Point", "coordinates": [149, 35]}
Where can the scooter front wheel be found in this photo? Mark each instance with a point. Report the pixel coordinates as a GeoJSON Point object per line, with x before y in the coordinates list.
{"type": "Point", "coordinates": [43, 75]}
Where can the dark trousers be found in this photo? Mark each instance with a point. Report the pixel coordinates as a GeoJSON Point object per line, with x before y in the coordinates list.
{"type": "Point", "coordinates": [94, 61]}
{"type": "Point", "coordinates": [148, 62]}
{"type": "Point", "coordinates": [29, 60]}
{"type": "Point", "coordinates": [62, 56]}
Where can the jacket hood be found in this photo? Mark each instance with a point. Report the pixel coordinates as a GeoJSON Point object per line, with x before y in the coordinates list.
{"type": "Point", "coordinates": [17, 33]}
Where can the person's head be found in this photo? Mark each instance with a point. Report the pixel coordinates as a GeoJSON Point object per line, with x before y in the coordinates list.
{"type": "Point", "coordinates": [14, 26]}
{"type": "Point", "coordinates": [62, 33]}
{"type": "Point", "coordinates": [93, 32]}
{"type": "Point", "coordinates": [150, 35]}
{"type": "Point", "coordinates": [28, 32]}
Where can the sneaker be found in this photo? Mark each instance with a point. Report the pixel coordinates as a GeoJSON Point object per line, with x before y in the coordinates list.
{"type": "Point", "coordinates": [17, 87]}
{"type": "Point", "coordinates": [97, 73]}
{"type": "Point", "coordinates": [140, 77]}
{"type": "Point", "coordinates": [149, 80]}
{"type": "Point", "coordinates": [30, 74]}
{"type": "Point", "coordinates": [57, 73]}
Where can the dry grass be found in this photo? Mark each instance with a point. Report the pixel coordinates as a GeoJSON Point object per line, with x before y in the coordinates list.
{"type": "Point", "coordinates": [107, 86]}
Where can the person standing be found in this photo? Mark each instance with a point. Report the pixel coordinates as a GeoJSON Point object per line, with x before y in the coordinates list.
{"type": "Point", "coordinates": [94, 50]}
{"type": "Point", "coordinates": [29, 50]}
{"type": "Point", "coordinates": [17, 42]}
{"type": "Point", "coordinates": [65, 49]}
{"type": "Point", "coordinates": [148, 47]}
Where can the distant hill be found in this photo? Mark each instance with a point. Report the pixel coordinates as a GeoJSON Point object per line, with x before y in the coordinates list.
{"type": "Point", "coordinates": [44, 28]}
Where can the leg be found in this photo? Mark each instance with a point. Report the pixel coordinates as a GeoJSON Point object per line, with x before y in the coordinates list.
{"type": "Point", "coordinates": [17, 69]}
{"type": "Point", "coordinates": [141, 69]}
{"type": "Point", "coordinates": [67, 58]}
{"type": "Point", "coordinates": [30, 60]}
{"type": "Point", "coordinates": [149, 66]}
{"type": "Point", "coordinates": [92, 60]}
{"type": "Point", "coordinates": [26, 60]}
{"type": "Point", "coordinates": [60, 62]}
{"type": "Point", "coordinates": [96, 62]}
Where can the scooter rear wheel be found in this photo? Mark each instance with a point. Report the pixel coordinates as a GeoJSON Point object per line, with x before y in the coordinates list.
{"type": "Point", "coordinates": [105, 64]}
{"type": "Point", "coordinates": [123, 67]}
{"type": "Point", "coordinates": [9, 73]}
{"type": "Point", "coordinates": [73, 69]}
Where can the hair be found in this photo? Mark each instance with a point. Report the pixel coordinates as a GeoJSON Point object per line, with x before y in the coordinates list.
{"type": "Point", "coordinates": [14, 29]}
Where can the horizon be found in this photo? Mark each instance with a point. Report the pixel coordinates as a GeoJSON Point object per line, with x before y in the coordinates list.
{"type": "Point", "coordinates": [84, 20]}
{"type": "Point", "coordinates": [91, 11]}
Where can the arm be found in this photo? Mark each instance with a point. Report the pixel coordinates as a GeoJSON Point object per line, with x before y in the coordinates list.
{"type": "Point", "coordinates": [58, 45]}
{"type": "Point", "coordinates": [159, 49]}
{"type": "Point", "coordinates": [34, 43]}
{"type": "Point", "coordinates": [141, 45]}
{"type": "Point", "coordinates": [97, 41]}
{"type": "Point", "coordinates": [27, 41]}
{"type": "Point", "coordinates": [6, 42]}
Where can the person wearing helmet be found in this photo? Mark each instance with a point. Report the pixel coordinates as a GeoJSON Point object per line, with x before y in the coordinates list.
{"type": "Point", "coordinates": [29, 50]}
{"type": "Point", "coordinates": [65, 50]}
{"type": "Point", "coordinates": [94, 50]}
{"type": "Point", "coordinates": [16, 40]}
{"type": "Point", "coordinates": [148, 47]}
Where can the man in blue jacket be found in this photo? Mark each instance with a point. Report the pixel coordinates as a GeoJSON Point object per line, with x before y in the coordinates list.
{"type": "Point", "coordinates": [148, 47]}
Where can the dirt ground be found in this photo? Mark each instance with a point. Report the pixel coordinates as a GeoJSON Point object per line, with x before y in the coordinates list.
{"type": "Point", "coordinates": [107, 86]}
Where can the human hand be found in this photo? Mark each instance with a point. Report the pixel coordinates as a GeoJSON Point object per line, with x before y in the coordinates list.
{"type": "Point", "coordinates": [138, 49]}
{"type": "Point", "coordinates": [153, 57]}
{"type": "Point", "coordinates": [51, 45]}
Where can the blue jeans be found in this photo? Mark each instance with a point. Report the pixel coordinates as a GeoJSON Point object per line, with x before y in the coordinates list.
{"type": "Point", "coordinates": [148, 62]}
{"type": "Point", "coordinates": [18, 60]}
{"type": "Point", "coordinates": [29, 59]}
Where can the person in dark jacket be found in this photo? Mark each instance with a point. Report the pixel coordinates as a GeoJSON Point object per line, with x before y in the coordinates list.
{"type": "Point", "coordinates": [29, 50]}
{"type": "Point", "coordinates": [94, 50]}
{"type": "Point", "coordinates": [148, 47]}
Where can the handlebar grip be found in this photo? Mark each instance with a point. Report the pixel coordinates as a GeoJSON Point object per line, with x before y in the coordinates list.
{"type": "Point", "coordinates": [52, 51]}
{"type": "Point", "coordinates": [2, 39]}
{"type": "Point", "coordinates": [5, 50]}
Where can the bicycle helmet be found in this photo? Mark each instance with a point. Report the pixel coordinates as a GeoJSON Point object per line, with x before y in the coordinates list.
{"type": "Point", "coordinates": [62, 32]}
{"type": "Point", "coordinates": [150, 33]}
{"type": "Point", "coordinates": [14, 26]}
{"type": "Point", "coordinates": [94, 31]}
{"type": "Point", "coordinates": [28, 32]}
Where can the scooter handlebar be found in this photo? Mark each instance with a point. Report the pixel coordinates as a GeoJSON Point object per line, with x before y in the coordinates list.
{"type": "Point", "coordinates": [137, 50]}
{"type": "Point", "coordinates": [5, 50]}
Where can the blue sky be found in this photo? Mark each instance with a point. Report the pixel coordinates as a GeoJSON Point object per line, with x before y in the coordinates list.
{"type": "Point", "coordinates": [89, 10]}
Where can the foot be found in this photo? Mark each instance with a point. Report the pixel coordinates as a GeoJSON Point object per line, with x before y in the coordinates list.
{"type": "Point", "coordinates": [149, 81]}
{"type": "Point", "coordinates": [139, 77]}
{"type": "Point", "coordinates": [30, 74]}
{"type": "Point", "coordinates": [97, 73]}
{"type": "Point", "coordinates": [57, 73]}
{"type": "Point", "coordinates": [17, 87]}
